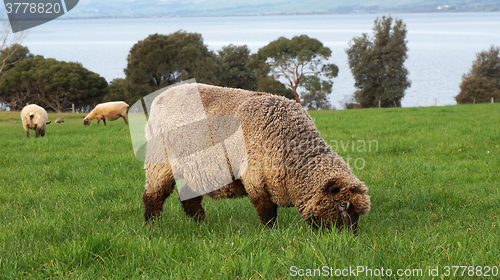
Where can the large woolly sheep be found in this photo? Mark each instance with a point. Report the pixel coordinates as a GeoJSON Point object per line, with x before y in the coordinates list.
{"type": "Point", "coordinates": [107, 111]}
{"type": "Point", "coordinates": [36, 118]}
{"type": "Point", "coordinates": [289, 164]}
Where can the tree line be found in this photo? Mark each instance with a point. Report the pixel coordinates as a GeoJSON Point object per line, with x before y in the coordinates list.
{"type": "Point", "coordinates": [296, 68]}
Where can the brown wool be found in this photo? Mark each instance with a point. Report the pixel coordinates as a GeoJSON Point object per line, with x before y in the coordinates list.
{"type": "Point", "coordinates": [289, 164]}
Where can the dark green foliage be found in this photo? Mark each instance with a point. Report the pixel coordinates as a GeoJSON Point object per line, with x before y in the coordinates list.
{"type": "Point", "coordinates": [487, 64]}
{"type": "Point", "coordinates": [316, 95]}
{"type": "Point", "coordinates": [122, 90]}
{"type": "Point", "coordinates": [232, 61]}
{"type": "Point", "coordinates": [483, 80]}
{"type": "Point", "coordinates": [293, 59]}
{"type": "Point", "coordinates": [163, 60]}
{"type": "Point", "coordinates": [271, 85]}
{"type": "Point", "coordinates": [8, 58]}
{"type": "Point", "coordinates": [478, 90]}
{"type": "Point", "coordinates": [12, 55]}
{"type": "Point", "coordinates": [377, 64]}
{"type": "Point", "coordinates": [265, 82]}
{"type": "Point", "coordinates": [52, 84]}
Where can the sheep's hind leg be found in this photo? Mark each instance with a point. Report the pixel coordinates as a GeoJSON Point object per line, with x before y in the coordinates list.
{"type": "Point", "coordinates": [125, 119]}
{"type": "Point", "coordinates": [159, 185]}
{"type": "Point", "coordinates": [193, 208]}
{"type": "Point", "coordinates": [267, 210]}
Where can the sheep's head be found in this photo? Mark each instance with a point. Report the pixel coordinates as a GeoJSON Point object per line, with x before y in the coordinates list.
{"type": "Point", "coordinates": [338, 201]}
{"type": "Point", "coordinates": [86, 121]}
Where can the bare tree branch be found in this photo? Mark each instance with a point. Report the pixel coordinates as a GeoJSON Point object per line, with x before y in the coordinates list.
{"type": "Point", "coordinates": [10, 42]}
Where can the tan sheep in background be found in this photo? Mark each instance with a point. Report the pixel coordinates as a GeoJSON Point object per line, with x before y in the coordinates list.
{"type": "Point", "coordinates": [36, 118]}
{"type": "Point", "coordinates": [289, 164]}
{"type": "Point", "coordinates": [107, 111]}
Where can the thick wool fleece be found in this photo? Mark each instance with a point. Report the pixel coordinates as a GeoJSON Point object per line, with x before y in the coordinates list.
{"type": "Point", "coordinates": [289, 164]}
{"type": "Point", "coordinates": [34, 117]}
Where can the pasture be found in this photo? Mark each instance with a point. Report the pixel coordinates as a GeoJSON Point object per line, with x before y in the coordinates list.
{"type": "Point", "coordinates": [70, 205]}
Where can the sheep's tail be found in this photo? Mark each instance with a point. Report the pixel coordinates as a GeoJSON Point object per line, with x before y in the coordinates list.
{"type": "Point", "coordinates": [31, 114]}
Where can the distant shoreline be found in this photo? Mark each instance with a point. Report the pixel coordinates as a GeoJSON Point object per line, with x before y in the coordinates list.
{"type": "Point", "coordinates": [275, 14]}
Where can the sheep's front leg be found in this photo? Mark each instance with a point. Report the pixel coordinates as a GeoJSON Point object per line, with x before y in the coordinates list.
{"type": "Point", "coordinates": [37, 131]}
{"type": "Point", "coordinates": [193, 208]}
{"type": "Point", "coordinates": [104, 120]}
{"type": "Point", "coordinates": [267, 210]}
{"type": "Point", "coordinates": [159, 185]}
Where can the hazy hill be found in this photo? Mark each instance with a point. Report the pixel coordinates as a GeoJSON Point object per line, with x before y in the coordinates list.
{"type": "Point", "coordinates": [149, 8]}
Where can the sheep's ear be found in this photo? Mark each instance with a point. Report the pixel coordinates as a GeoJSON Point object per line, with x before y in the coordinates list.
{"type": "Point", "coordinates": [333, 188]}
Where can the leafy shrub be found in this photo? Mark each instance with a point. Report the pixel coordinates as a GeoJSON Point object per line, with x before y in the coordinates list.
{"type": "Point", "coordinates": [478, 90]}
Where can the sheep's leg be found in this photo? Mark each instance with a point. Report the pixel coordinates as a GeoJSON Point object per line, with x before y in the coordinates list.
{"type": "Point", "coordinates": [104, 121]}
{"type": "Point", "coordinates": [267, 210]}
{"type": "Point", "coordinates": [125, 119]}
{"type": "Point", "coordinates": [37, 131]}
{"type": "Point", "coordinates": [27, 132]}
{"type": "Point", "coordinates": [193, 208]}
{"type": "Point", "coordinates": [160, 184]}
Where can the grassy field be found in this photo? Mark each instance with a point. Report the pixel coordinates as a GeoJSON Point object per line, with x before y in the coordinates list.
{"type": "Point", "coordinates": [70, 205]}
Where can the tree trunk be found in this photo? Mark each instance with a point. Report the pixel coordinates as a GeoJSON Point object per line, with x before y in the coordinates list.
{"type": "Point", "coordinates": [297, 98]}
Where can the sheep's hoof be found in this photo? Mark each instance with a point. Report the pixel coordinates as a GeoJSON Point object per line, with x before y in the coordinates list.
{"type": "Point", "coordinates": [149, 217]}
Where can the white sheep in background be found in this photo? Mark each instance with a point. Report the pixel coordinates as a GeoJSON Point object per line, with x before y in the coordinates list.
{"type": "Point", "coordinates": [107, 111]}
{"type": "Point", "coordinates": [36, 118]}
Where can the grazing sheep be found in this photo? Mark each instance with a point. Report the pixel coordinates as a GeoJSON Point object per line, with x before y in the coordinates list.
{"type": "Point", "coordinates": [59, 120]}
{"type": "Point", "coordinates": [36, 118]}
{"type": "Point", "coordinates": [107, 111]}
{"type": "Point", "coordinates": [289, 164]}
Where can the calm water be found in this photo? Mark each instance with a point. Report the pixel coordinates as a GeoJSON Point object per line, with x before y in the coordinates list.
{"type": "Point", "coordinates": [441, 46]}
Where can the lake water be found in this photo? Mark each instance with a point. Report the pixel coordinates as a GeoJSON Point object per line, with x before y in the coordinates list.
{"type": "Point", "coordinates": [441, 46]}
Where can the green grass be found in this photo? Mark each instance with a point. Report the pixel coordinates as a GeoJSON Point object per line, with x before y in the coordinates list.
{"type": "Point", "coordinates": [70, 203]}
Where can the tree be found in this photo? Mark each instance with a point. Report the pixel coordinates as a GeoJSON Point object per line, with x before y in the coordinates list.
{"type": "Point", "coordinates": [271, 85]}
{"type": "Point", "coordinates": [487, 64]}
{"type": "Point", "coordinates": [377, 64]}
{"type": "Point", "coordinates": [122, 90]}
{"type": "Point", "coordinates": [293, 59]}
{"type": "Point", "coordinates": [232, 61]}
{"type": "Point", "coordinates": [53, 84]}
{"type": "Point", "coordinates": [9, 57]}
{"type": "Point", "coordinates": [316, 95]}
{"type": "Point", "coordinates": [483, 80]}
{"type": "Point", "coordinates": [265, 82]}
{"type": "Point", "coordinates": [10, 45]}
{"type": "Point", "coordinates": [478, 90]}
{"type": "Point", "coordinates": [163, 60]}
